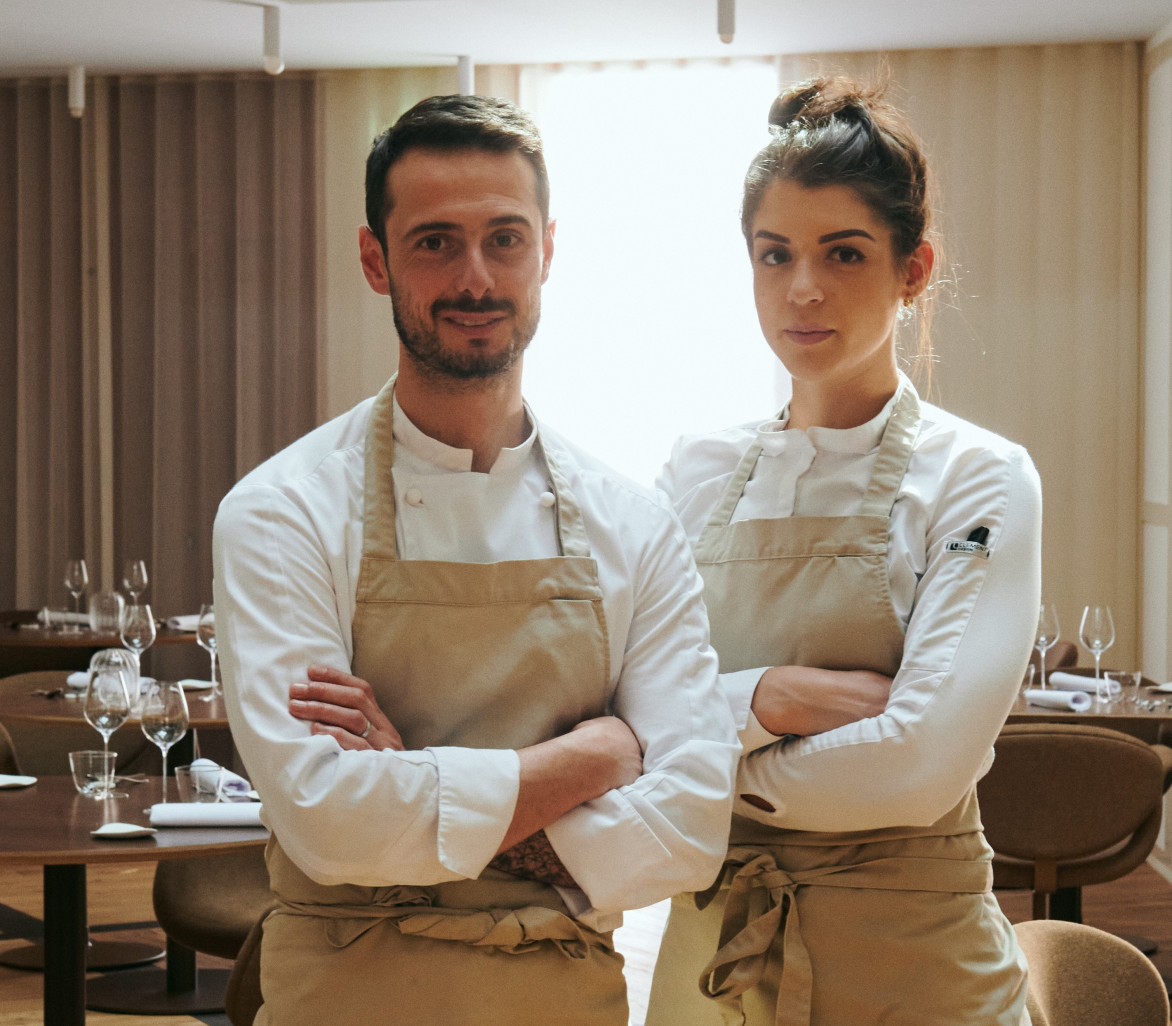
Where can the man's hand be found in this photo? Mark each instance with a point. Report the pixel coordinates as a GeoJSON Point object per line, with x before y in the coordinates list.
{"type": "Point", "coordinates": [806, 700]}
{"type": "Point", "coordinates": [343, 706]}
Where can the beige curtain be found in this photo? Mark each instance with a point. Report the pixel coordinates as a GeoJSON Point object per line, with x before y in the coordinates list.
{"type": "Point", "coordinates": [164, 338]}
{"type": "Point", "coordinates": [1037, 150]}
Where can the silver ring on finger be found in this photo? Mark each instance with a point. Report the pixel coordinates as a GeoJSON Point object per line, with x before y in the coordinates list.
{"type": "Point", "coordinates": [367, 730]}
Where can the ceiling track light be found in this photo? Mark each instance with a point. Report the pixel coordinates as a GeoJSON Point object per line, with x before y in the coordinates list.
{"type": "Point", "coordinates": [76, 90]}
{"type": "Point", "coordinates": [274, 62]}
{"type": "Point", "coordinates": [465, 75]}
{"type": "Point", "coordinates": [726, 19]}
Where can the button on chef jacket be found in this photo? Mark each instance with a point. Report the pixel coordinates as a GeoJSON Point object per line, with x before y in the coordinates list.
{"type": "Point", "coordinates": [287, 546]}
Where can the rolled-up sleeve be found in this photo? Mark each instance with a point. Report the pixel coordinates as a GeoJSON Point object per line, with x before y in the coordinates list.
{"type": "Point", "coordinates": [967, 644]}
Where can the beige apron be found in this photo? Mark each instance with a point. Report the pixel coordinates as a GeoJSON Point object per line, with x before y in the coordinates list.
{"type": "Point", "coordinates": [892, 926]}
{"type": "Point", "coordinates": [500, 655]}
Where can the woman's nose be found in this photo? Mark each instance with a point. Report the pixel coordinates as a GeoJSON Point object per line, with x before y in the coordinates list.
{"type": "Point", "coordinates": [803, 285]}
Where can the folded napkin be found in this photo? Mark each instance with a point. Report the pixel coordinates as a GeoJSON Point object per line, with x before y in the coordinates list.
{"type": "Point", "coordinates": [1075, 701]}
{"type": "Point", "coordinates": [8, 780]}
{"type": "Point", "coordinates": [233, 787]}
{"type": "Point", "coordinates": [55, 617]}
{"type": "Point", "coordinates": [188, 622]}
{"type": "Point", "coordinates": [1076, 682]}
{"type": "Point", "coordinates": [206, 814]}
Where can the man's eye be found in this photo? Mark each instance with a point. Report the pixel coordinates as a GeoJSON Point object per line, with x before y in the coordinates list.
{"type": "Point", "coordinates": [505, 240]}
{"type": "Point", "coordinates": [432, 243]}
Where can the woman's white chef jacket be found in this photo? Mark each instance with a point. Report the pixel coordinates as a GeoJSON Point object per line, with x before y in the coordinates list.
{"type": "Point", "coordinates": [288, 540]}
{"type": "Point", "coordinates": [968, 618]}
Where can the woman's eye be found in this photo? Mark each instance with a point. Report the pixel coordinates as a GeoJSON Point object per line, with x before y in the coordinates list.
{"type": "Point", "coordinates": [847, 255]}
{"type": "Point", "coordinates": [773, 257]}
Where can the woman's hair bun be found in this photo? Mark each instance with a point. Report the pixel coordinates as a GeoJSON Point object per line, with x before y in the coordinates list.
{"type": "Point", "coordinates": [817, 101]}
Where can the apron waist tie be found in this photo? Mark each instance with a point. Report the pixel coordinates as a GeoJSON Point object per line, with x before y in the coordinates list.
{"type": "Point", "coordinates": [761, 903]}
{"type": "Point", "coordinates": [514, 931]}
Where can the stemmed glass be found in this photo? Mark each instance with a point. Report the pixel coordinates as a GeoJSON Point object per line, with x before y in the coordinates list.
{"type": "Point", "coordinates": [1097, 632]}
{"type": "Point", "coordinates": [164, 718]}
{"type": "Point", "coordinates": [206, 636]}
{"type": "Point", "coordinates": [135, 579]}
{"type": "Point", "coordinates": [138, 630]}
{"type": "Point", "coordinates": [1047, 636]}
{"type": "Point", "coordinates": [76, 579]}
{"type": "Point", "coordinates": [106, 707]}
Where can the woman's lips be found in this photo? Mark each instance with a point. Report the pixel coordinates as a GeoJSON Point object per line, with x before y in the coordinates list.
{"type": "Point", "coordinates": [808, 336]}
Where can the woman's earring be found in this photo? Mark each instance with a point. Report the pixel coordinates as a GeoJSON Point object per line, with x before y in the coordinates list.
{"type": "Point", "coordinates": [908, 302]}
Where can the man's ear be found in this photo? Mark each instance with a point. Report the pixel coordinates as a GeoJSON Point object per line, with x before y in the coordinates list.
{"type": "Point", "coordinates": [547, 250]}
{"type": "Point", "coordinates": [374, 261]}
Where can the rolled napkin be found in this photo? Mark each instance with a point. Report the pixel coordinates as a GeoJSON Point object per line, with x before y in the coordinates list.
{"type": "Point", "coordinates": [233, 787]}
{"type": "Point", "coordinates": [188, 622]}
{"type": "Point", "coordinates": [1077, 682]}
{"type": "Point", "coordinates": [59, 617]}
{"type": "Point", "coordinates": [80, 679]}
{"type": "Point", "coordinates": [206, 814]}
{"type": "Point", "coordinates": [1075, 701]}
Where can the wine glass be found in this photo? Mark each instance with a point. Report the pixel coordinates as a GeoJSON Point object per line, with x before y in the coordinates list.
{"type": "Point", "coordinates": [138, 630]}
{"type": "Point", "coordinates": [76, 579]}
{"type": "Point", "coordinates": [106, 707]}
{"type": "Point", "coordinates": [206, 636]}
{"type": "Point", "coordinates": [1047, 636]}
{"type": "Point", "coordinates": [135, 579]}
{"type": "Point", "coordinates": [164, 718]}
{"type": "Point", "coordinates": [1097, 632]}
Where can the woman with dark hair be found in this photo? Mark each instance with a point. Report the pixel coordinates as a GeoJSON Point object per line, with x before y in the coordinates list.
{"type": "Point", "coordinates": [866, 557]}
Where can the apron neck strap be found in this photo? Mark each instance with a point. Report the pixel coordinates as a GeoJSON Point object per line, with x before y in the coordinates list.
{"type": "Point", "coordinates": [895, 450]}
{"type": "Point", "coordinates": [722, 515]}
{"type": "Point", "coordinates": [378, 518]}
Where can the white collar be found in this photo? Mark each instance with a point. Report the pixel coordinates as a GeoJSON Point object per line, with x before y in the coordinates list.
{"type": "Point", "coordinates": [448, 458]}
{"type": "Point", "coordinates": [858, 440]}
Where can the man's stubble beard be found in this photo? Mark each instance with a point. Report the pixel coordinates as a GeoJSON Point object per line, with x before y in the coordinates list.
{"type": "Point", "coordinates": [428, 353]}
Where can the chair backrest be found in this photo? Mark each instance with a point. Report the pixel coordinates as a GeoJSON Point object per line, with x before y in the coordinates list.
{"type": "Point", "coordinates": [1064, 791]}
{"type": "Point", "coordinates": [1080, 976]}
{"type": "Point", "coordinates": [43, 748]}
{"type": "Point", "coordinates": [8, 761]}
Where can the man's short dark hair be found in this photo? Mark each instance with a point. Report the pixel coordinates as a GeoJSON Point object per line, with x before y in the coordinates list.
{"type": "Point", "coordinates": [452, 123]}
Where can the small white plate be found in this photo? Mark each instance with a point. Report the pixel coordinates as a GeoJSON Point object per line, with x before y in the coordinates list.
{"type": "Point", "coordinates": [12, 780]}
{"type": "Point", "coordinates": [117, 831]}
{"type": "Point", "coordinates": [191, 684]}
{"type": "Point", "coordinates": [1164, 689]}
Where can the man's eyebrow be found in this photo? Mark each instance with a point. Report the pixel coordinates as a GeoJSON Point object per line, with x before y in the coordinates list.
{"type": "Point", "coordinates": [427, 227]}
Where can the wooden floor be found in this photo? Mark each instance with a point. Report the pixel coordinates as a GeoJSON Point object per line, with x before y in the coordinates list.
{"type": "Point", "coordinates": [1139, 904]}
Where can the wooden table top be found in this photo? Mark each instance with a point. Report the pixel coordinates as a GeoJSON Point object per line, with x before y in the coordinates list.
{"type": "Point", "coordinates": [19, 630]}
{"type": "Point", "coordinates": [29, 707]}
{"type": "Point", "coordinates": [49, 823]}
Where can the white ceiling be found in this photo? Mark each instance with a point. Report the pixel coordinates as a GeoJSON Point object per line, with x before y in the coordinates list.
{"type": "Point", "coordinates": [46, 36]}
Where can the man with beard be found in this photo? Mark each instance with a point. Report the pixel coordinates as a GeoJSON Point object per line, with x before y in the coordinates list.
{"type": "Point", "coordinates": [466, 665]}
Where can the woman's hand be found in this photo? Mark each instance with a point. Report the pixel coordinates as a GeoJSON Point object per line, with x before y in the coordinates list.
{"type": "Point", "coordinates": [343, 706]}
{"type": "Point", "coordinates": [806, 700]}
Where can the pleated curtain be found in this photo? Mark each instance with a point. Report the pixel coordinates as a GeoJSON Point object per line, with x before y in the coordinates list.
{"type": "Point", "coordinates": [160, 316]}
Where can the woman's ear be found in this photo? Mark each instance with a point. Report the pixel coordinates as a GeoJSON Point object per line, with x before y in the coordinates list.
{"type": "Point", "coordinates": [919, 270]}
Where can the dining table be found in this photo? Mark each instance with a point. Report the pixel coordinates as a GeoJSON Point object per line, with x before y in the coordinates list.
{"type": "Point", "coordinates": [1151, 723]}
{"type": "Point", "coordinates": [27, 645]}
{"type": "Point", "coordinates": [50, 824]}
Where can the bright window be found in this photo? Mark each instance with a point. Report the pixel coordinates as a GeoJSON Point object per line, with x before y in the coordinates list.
{"type": "Point", "coordinates": [648, 329]}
